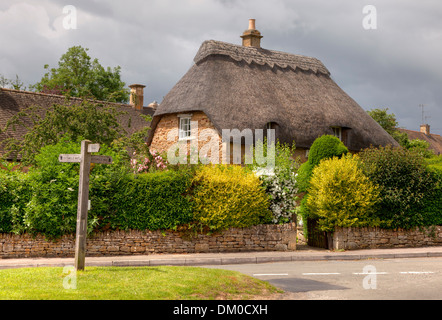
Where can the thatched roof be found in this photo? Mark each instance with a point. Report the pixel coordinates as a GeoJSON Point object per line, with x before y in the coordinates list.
{"type": "Point", "coordinates": [14, 101]}
{"type": "Point", "coordinates": [241, 87]}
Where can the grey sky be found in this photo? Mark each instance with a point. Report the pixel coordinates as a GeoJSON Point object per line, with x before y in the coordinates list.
{"type": "Point", "coordinates": [398, 65]}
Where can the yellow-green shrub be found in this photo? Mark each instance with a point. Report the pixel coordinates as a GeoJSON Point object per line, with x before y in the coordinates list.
{"type": "Point", "coordinates": [341, 195]}
{"type": "Point", "coordinates": [228, 196]}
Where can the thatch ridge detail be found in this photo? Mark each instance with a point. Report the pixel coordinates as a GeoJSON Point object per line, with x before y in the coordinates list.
{"type": "Point", "coordinates": [260, 56]}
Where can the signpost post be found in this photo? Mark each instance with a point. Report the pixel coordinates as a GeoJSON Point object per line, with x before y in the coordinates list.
{"type": "Point", "coordinates": [85, 159]}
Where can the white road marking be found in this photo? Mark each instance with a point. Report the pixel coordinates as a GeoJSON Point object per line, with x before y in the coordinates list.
{"type": "Point", "coordinates": [270, 274]}
{"type": "Point", "coordinates": [416, 272]}
{"type": "Point", "coordinates": [369, 273]}
{"type": "Point", "coordinates": [320, 274]}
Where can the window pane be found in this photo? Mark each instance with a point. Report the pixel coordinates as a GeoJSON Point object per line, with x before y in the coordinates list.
{"type": "Point", "coordinates": [185, 130]}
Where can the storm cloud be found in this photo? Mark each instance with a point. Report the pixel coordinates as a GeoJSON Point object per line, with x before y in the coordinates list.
{"type": "Point", "coordinates": [395, 66]}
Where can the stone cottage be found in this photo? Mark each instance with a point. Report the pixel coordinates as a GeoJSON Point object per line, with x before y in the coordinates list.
{"type": "Point", "coordinates": [246, 88]}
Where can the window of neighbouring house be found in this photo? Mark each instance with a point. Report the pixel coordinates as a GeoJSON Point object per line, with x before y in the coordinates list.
{"type": "Point", "coordinates": [185, 129]}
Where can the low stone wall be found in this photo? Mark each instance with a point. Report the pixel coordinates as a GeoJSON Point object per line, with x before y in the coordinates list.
{"type": "Point", "coordinates": [371, 238]}
{"type": "Point", "coordinates": [257, 238]}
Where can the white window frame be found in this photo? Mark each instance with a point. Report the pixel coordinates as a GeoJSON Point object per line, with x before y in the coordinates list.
{"type": "Point", "coordinates": [337, 132]}
{"type": "Point", "coordinates": [185, 126]}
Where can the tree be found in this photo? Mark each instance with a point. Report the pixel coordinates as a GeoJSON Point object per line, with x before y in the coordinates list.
{"type": "Point", "coordinates": [87, 120]}
{"type": "Point", "coordinates": [15, 84]}
{"type": "Point", "coordinates": [388, 122]}
{"type": "Point", "coordinates": [78, 75]}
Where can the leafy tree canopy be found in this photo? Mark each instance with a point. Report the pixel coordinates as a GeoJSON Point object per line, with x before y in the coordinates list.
{"type": "Point", "coordinates": [78, 75]}
{"type": "Point", "coordinates": [87, 120]}
{"type": "Point", "coordinates": [15, 84]}
{"type": "Point", "coordinates": [388, 122]}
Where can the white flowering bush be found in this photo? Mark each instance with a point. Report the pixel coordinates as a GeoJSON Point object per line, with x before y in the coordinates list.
{"type": "Point", "coordinates": [282, 191]}
{"type": "Point", "coordinates": [280, 183]}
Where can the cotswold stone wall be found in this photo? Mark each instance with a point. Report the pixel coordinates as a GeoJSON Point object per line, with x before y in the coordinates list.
{"type": "Point", "coordinates": [371, 238]}
{"type": "Point", "coordinates": [257, 238]}
{"type": "Point", "coordinates": [208, 137]}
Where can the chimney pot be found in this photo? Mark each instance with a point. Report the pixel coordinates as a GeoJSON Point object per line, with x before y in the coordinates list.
{"type": "Point", "coordinates": [252, 24]}
{"type": "Point", "coordinates": [137, 96]}
{"type": "Point", "coordinates": [251, 37]}
{"type": "Point", "coordinates": [154, 105]}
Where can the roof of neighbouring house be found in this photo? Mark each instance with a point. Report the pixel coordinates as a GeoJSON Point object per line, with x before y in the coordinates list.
{"type": "Point", "coordinates": [240, 87]}
{"type": "Point", "coordinates": [14, 101]}
{"type": "Point", "coordinates": [434, 140]}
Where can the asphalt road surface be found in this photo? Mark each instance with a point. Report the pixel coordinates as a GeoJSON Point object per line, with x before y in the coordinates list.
{"type": "Point", "coordinates": [390, 279]}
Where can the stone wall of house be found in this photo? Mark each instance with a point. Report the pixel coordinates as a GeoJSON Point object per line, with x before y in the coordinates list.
{"type": "Point", "coordinates": [371, 238]}
{"type": "Point", "coordinates": [208, 140]}
{"type": "Point", "coordinates": [254, 239]}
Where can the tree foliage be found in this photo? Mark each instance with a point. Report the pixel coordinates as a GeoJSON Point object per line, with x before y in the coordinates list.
{"type": "Point", "coordinates": [15, 84]}
{"type": "Point", "coordinates": [405, 184]}
{"type": "Point", "coordinates": [86, 120]}
{"type": "Point", "coordinates": [78, 75]}
{"type": "Point", "coordinates": [388, 122]}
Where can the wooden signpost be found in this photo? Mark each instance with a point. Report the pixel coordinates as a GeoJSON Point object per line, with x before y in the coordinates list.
{"type": "Point", "coordinates": [85, 159]}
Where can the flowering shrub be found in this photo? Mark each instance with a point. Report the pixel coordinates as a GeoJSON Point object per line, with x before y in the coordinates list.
{"type": "Point", "coordinates": [280, 183]}
{"type": "Point", "coordinates": [282, 192]}
{"type": "Point", "coordinates": [148, 161]}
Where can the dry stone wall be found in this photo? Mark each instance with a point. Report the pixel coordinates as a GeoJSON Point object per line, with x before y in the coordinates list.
{"type": "Point", "coordinates": [371, 238]}
{"type": "Point", "coordinates": [257, 238]}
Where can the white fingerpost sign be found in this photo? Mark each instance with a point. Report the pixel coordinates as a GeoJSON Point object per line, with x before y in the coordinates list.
{"type": "Point", "coordinates": [85, 159]}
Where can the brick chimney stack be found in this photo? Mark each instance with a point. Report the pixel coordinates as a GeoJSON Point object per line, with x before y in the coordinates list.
{"type": "Point", "coordinates": [137, 96]}
{"type": "Point", "coordinates": [425, 128]}
{"type": "Point", "coordinates": [251, 37]}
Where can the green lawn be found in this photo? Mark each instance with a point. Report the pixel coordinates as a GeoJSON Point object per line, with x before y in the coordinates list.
{"type": "Point", "coordinates": [116, 283]}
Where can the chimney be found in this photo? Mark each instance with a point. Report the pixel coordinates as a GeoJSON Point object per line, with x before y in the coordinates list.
{"type": "Point", "coordinates": [137, 96]}
{"type": "Point", "coordinates": [425, 128]}
{"type": "Point", "coordinates": [251, 37]}
{"type": "Point", "coordinates": [154, 105]}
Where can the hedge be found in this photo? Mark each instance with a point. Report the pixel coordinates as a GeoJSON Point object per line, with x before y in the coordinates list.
{"type": "Point", "coordinates": [229, 196]}
{"type": "Point", "coordinates": [151, 201]}
{"type": "Point", "coordinates": [341, 195]}
{"type": "Point", "coordinates": [44, 201]}
{"type": "Point", "coordinates": [409, 190]}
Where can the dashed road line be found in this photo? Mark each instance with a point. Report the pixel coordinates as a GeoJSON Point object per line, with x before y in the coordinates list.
{"type": "Point", "coordinates": [321, 274]}
{"type": "Point", "coordinates": [369, 273]}
{"type": "Point", "coordinates": [270, 274]}
{"type": "Point", "coordinates": [416, 272]}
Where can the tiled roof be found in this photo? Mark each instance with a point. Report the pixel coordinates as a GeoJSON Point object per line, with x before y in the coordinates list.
{"type": "Point", "coordinates": [14, 101]}
{"type": "Point", "coordinates": [434, 140]}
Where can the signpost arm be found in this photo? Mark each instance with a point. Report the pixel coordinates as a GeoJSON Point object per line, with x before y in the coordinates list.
{"type": "Point", "coordinates": [83, 197]}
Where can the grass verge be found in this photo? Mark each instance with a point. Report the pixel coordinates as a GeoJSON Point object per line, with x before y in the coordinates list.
{"type": "Point", "coordinates": [117, 283]}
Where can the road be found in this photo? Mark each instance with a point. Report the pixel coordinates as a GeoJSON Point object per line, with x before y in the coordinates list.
{"type": "Point", "coordinates": [390, 279]}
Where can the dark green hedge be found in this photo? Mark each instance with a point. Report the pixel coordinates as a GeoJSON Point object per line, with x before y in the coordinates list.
{"type": "Point", "coordinates": [410, 191]}
{"type": "Point", "coordinates": [151, 201]}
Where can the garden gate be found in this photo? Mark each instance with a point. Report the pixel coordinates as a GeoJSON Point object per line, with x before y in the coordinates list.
{"type": "Point", "coordinates": [316, 237]}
